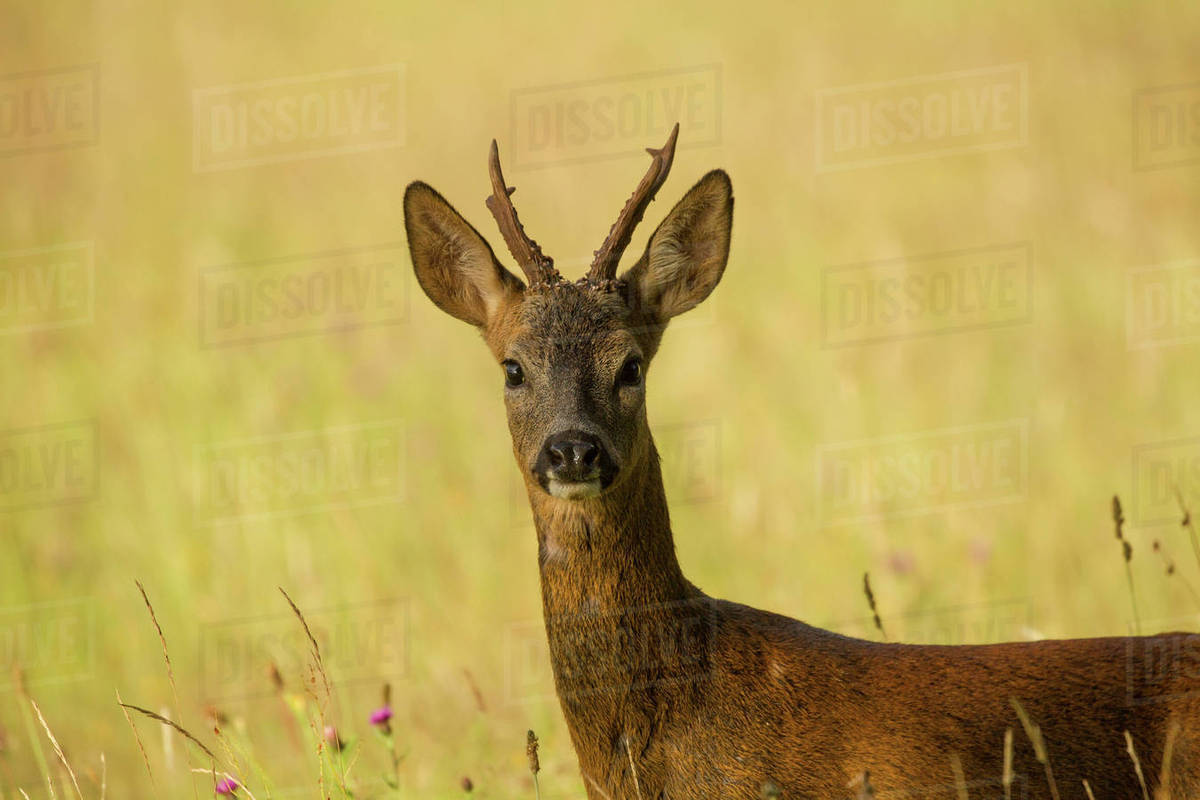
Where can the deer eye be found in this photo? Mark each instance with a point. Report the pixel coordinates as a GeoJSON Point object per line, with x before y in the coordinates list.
{"type": "Point", "coordinates": [513, 374]}
{"type": "Point", "coordinates": [631, 372]}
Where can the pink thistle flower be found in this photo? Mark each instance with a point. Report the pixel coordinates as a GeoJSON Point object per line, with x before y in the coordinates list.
{"type": "Point", "coordinates": [227, 786]}
{"type": "Point", "coordinates": [381, 716]}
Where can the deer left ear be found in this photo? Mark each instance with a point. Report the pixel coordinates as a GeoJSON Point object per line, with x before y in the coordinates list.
{"type": "Point", "coordinates": [454, 264]}
{"type": "Point", "coordinates": [686, 256]}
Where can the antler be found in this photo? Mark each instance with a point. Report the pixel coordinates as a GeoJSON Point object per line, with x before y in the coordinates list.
{"type": "Point", "coordinates": [538, 267]}
{"type": "Point", "coordinates": [604, 266]}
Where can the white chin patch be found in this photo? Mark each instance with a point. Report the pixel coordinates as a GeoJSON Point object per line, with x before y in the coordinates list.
{"type": "Point", "coordinates": [576, 490]}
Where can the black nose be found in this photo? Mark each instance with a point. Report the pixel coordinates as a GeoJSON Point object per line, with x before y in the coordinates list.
{"type": "Point", "coordinates": [572, 456]}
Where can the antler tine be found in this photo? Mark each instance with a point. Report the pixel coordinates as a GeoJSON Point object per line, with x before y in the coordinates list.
{"type": "Point", "coordinates": [604, 265]}
{"type": "Point", "coordinates": [538, 267]}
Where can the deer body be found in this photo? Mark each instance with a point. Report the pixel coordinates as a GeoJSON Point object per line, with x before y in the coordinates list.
{"type": "Point", "coordinates": [763, 697]}
{"type": "Point", "coordinates": [669, 693]}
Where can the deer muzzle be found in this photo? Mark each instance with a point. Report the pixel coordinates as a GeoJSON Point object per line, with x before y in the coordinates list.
{"type": "Point", "coordinates": [573, 465]}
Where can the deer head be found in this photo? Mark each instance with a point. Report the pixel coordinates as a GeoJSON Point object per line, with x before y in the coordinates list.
{"type": "Point", "coordinates": [574, 356]}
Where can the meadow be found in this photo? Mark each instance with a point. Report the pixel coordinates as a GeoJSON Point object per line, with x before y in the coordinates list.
{"type": "Point", "coordinates": [961, 313]}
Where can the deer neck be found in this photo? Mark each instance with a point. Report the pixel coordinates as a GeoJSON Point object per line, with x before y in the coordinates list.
{"type": "Point", "coordinates": [612, 552]}
{"type": "Point", "coordinates": [620, 616]}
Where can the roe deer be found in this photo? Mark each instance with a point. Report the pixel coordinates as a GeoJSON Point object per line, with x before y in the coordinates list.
{"type": "Point", "coordinates": [669, 693]}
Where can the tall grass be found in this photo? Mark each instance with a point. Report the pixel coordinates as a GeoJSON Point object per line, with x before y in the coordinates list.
{"type": "Point", "coordinates": [458, 548]}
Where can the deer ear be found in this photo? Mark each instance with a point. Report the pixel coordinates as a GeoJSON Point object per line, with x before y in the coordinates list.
{"type": "Point", "coordinates": [454, 264]}
{"type": "Point", "coordinates": [686, 256]}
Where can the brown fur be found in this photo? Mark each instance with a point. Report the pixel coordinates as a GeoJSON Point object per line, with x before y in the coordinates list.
{"type": "Point", "coordinates": [669, 693]}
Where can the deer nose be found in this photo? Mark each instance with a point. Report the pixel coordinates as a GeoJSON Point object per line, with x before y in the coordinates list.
{"type": "Point", "coordinates": [572, 456]}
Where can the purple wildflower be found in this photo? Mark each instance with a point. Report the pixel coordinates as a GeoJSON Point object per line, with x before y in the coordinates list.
{"type": "Point", "coordinates": [381, 716]}
{"type": "Point", "coordinates": [227, 786]}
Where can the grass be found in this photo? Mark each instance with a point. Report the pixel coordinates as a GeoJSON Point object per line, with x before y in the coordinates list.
{"type": "Point", "coordinates": [233, 769]}
{"type": "Point", "coordinates": [745, 388]}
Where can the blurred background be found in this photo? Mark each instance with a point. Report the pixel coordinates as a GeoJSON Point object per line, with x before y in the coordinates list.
{"type": "Point", "coordinates": [962, 311]}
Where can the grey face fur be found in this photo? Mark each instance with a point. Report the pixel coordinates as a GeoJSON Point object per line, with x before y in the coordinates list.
{"type": "Point", "coordinates": [584, 386]}
{"type": "Point", "coordinates": [573, 356]}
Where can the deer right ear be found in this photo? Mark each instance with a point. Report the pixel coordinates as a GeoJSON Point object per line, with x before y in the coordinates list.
{"type": "Point", "coordinates": [686, 255]}
{"type": "Point", "coordinates": [453, 263]}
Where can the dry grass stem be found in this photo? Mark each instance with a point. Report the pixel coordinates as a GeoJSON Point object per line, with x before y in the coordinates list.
{"type": "Point", "coordinates": [316, 648]}
{"type": "Point", "coordinates": [596, 786]}
{"type": "Point", "coordinates": [35, 741]}
{"type": "Point", "coordinates": [865, 790]}
{"type": "Point", "coordinates": [632, 767]}
{"type": "Point", "coordinates": [1186, 524]}
{"type": "Point", "coordinates": [1137, 764]}
{"type": "Point", "coordinates": [162, 640]}
{"type": "Point", "coordinates": [1172, 572]}
{"type": "Point", "coordinates": [175, 725]}
{"type": "Point", "coordinates": [960, 780]}
{"type": "Point", "coordinates": [1127, 552]}
{"type": "Point", "coordinates": [227, 749]}
{"type": "Point", "coordinates": [137, 738]}
{"type": "Point", "coordinates": [318, 724]}
{"type": "Point", "coordinates": [871, 602]}
{"type": "Point", "coordinates": [1006, 777]}
{"type": "Point", "coordinates": [58, 751]}
{"type": "Point", "coordinates": [535, 766]}
{"type": "Point", "coordinates": [475, 692]}
{"type": "Point", "coordinates": [217, 775]}
{"type": "Point", "coordinates": [1034, 732]}
{"type": "Point", "coordinates": [1164, 775]}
